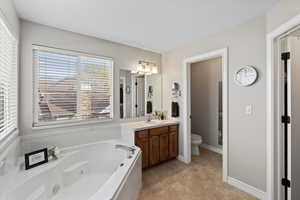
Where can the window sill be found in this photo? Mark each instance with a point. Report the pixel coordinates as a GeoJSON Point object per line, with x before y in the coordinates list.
{"type": "Point", "coordinates": [68, 124]}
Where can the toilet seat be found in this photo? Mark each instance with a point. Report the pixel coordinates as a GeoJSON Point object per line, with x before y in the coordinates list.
{"type": "Point", "coordinates": [196, 139]}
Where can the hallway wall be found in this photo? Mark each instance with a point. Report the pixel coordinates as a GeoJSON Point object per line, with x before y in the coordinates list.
{"type": "Point", "coordinates": [247, 46]}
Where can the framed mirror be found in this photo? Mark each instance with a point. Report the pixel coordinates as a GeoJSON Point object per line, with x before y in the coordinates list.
{"type": "Point", "coordinates": [139, 94]}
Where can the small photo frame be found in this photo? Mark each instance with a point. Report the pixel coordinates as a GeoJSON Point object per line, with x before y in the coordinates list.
{"type": "Point", "coordinates": [36, 158]}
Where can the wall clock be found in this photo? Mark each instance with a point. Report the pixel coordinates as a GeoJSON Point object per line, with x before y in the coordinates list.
{"type": "Point", "coordinates": [246, 76]}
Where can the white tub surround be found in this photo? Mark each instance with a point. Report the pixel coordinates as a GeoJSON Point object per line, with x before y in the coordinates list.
{"type": "Point", "coordinates": [9, 154]}
{"type": "Point", "coordinates": [85, 172]}
{"type": "Point", "coordinates": [128, 129]}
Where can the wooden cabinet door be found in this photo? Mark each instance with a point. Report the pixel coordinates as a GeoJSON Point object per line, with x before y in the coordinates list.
{"type": "Point", "coordinates": [173, 144]}
{"type": "Point", "coordinates": [142, 141]}
{"type": "Point", "coordinates": [154, 150]}
{"type": "Point", "coordinates": [144, 145]}
{"type": "Point", "coordinates": [164, 147]}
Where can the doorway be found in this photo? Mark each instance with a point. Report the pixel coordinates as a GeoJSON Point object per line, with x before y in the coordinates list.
{"type": "Point", "coordinates": [206, 105]}
{"type": "Point", "coordinates": [123, 98]}
{"type": "Point", "coordinates": [283, 138]}
{"type": "Point", "coordinates": [223, 53]}
{"type": "Point", "coordinates": [288, 138]}
{"type": "Point", "coordinates": [139, 97]}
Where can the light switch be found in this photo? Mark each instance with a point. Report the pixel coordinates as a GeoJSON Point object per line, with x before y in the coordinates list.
{"type": "Point", "coordinates": [248, 110]}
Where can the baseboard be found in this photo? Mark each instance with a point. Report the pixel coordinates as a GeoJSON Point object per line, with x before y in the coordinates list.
{"type": "Point", "coordinates": [247, 188]}
{"type": "Point", "coordinates": [181, 158]}
{"type": "Point", "coordinates": [212, 148]}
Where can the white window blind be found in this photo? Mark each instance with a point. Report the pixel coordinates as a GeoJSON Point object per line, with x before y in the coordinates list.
{"type": "Point", "coordinates": [71, 87]}
{"type": "Point", "coordinates": [8, 81]}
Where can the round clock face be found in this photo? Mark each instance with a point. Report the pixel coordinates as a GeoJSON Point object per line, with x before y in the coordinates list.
{"type": "Point", "coordinates": [246, 76]}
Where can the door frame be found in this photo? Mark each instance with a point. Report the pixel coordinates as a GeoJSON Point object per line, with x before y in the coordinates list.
{"type": "Point", "coordinates": [123, 81]}
{"type": "Point", "coordinates": [272, 108]}
{"type": "Point", "coordinates": [134, 95]}
{"type": "Point", "coordinates": [187, 104]}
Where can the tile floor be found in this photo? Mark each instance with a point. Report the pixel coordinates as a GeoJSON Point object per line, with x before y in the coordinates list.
{"type": "Point", "coordinates": [201, 180]}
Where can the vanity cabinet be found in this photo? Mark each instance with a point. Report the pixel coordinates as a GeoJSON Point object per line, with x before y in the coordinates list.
{"type": "Point", "coordinates": [142, 141]}
{"type": "Point", "coordinates": [157, 144]}
{"type": "Point", "coordinates": [173, 144]}
{"type": "Point", "coordinates": [154, 150]}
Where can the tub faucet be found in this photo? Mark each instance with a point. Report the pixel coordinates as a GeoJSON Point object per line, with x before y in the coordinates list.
{"type": "Point", "coordinates": [130, 150]}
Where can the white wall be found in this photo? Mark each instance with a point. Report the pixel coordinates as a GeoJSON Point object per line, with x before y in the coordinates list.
{"type": "Point", "coordinates": [247, 134]}
{"type": "Point", "coordinates": [281, 12]}
{"type": "Point", "coordinates": [9, 14]}
{"type": "Point", "coordinates": [205, 77]}
{"type": "Point", "coordinates": [124, 57]}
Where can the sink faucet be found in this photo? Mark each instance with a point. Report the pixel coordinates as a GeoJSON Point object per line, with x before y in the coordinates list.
{"type": "Point", "coordinates": [149, 118]}
{"type": "Point", "coordinates": [130, 150]}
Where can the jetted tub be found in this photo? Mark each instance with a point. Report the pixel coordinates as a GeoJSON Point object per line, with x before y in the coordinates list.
{"type": "Point", "coordinates": [88, 172]}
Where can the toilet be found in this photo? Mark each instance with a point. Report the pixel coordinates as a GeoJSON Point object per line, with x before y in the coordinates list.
{"type": "Point", "coordinates": [196, 142]}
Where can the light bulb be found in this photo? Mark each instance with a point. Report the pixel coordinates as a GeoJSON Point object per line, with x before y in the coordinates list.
{"type": "Point", "coordinates": [154, 70]}
{"type": "Point", "coordinates": [140, 68]}
{"type": "Point", "coordinates": [147, 69]}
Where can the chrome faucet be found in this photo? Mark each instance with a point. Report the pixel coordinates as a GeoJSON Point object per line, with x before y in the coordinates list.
{"type": "Point", "coordinates": [149, 118]}
{"type": "Point", "coordinates": [130, 150]}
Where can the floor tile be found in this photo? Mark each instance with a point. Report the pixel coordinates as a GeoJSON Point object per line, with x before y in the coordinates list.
{"type": "Point", "coordinates": [201, 180]}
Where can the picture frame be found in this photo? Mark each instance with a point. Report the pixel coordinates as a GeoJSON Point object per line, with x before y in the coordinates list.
{"type": "Point", "coordinates": [36, 158]}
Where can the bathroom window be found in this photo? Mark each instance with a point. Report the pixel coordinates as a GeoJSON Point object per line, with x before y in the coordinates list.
{"type": "Point", "coordinates": [8, 82]}
{"type": "Point", "coordinates": [71, 87]}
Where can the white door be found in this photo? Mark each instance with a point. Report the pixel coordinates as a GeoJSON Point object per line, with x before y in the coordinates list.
{"type": "Point", "coordinates": [294, 135]}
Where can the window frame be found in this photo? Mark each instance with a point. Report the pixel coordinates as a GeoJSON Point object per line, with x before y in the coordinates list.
{"type": "Point", "coordinates": [63, 123]}
{"type": "Point", "coordinates": [15, 131]}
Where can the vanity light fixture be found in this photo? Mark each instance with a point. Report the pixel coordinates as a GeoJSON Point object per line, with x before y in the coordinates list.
{"type": "Point", "coordinates": [154, 70]}
{"type": "Point", "coordinates": [145, 68]}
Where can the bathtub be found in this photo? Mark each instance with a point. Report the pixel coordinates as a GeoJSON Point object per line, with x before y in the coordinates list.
{"type": "Point", "coordinates": [88, 172]}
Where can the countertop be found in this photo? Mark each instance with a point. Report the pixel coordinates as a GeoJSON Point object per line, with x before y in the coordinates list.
{"type": "Point", "coordinates": [141, 125]}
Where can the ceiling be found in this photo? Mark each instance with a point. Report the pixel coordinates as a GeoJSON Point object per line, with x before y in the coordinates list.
{"type": "Point", "coordinates": [157, 25]}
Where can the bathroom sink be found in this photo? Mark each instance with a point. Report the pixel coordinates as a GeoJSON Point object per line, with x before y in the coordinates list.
{"type": "Point", "coordinates": [153, 122]}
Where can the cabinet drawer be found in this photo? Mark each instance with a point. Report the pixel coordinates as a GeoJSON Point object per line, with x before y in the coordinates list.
{"type": "Point", "coordinates": [142, 134]}
{"type": "Point", "coordinates": [158, 131]}
{"type": "Point", "coordinates": [173, 128]}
